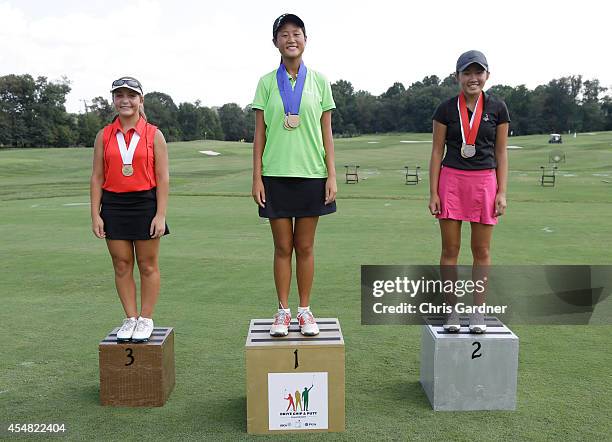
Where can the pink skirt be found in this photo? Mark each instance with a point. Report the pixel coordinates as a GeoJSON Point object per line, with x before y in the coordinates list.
{"type": "Point", "coordinates": [468, 195]}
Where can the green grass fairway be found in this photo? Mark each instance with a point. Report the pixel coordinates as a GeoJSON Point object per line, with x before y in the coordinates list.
{"type": "Point", "coordinates": [59, 300]}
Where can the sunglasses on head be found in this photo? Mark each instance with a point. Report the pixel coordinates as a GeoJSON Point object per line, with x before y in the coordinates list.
{"type": "Point", "coordinates": [128, 81]}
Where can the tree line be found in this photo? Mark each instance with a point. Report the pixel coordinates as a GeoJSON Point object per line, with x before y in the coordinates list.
{"type": "Point", "coordinates": [33, 113]}
{"type": "Point", "coordinates": [564, 104]}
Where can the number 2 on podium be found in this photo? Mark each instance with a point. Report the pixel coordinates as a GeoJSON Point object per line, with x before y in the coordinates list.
{"type": "Point", "coordinates": [475, 353]}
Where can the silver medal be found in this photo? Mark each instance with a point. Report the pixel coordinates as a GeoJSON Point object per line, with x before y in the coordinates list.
{"type": "Point", "coordinates": [468, 150]}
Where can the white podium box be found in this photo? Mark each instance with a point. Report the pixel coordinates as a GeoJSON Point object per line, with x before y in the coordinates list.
{"type": "Point", "coordinates": [295, 383]}
{"type": "Point", "coordinates": [466, 371]}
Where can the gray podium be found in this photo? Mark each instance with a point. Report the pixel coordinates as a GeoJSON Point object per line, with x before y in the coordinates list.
{"type": "Point", "coordinates": [464, 371]}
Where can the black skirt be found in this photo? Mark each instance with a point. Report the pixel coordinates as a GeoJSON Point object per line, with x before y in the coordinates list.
{"type": "Point", "coordinates": [128, 215]}
{"type": "Point", "coordinates": [288, 197]}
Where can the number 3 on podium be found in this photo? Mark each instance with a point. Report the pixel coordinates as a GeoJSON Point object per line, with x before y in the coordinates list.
{"type": "Point", "coordinates": [130, 357]}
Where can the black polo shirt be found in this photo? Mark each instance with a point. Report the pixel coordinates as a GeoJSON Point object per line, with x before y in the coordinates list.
{"type": "Point", "coordinates": [495, 112]}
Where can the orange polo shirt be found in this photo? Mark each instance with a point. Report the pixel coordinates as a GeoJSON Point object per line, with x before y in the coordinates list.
{"type": "Point", "coordinates": [143, 162]}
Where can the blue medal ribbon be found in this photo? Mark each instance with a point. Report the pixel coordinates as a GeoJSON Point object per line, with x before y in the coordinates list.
{"type": "Point", "coordinates": [292, 97]}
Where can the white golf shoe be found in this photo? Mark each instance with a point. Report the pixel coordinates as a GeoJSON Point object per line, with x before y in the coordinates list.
{"type": "Point", "coordinates": [452, 323]}
{"type": "Point", "coordinates": [143, 330]}
{"type": "Point", "coordinates": [280, 327]}
{"type": "Point", "coordinates": [308, 324]}
{"type": "Point", "coordinates": [477, 323]}
{"type": "Point", "coordinates": [127, 329]}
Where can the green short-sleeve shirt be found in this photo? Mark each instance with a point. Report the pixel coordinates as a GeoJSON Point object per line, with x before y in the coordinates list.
{"type": "Point", "coordinates": [298, 152]}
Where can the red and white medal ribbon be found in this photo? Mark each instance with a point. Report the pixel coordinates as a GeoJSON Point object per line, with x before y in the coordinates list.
{"type": "Point", "coordinates": [469, 131]}
{"type": "Point", "coordinates": [127, 153]}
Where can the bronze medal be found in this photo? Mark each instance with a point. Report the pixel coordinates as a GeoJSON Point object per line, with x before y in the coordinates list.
{"type": "Point", "coordinates": [127, 153]}
{"type": "Point", "coordinates": [127, 170]}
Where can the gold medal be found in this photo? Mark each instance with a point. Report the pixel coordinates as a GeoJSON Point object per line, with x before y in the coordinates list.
{"type": "Point", "coordinates": [293, 121]}
{"type": "Point", "coordinates": [127, 170]}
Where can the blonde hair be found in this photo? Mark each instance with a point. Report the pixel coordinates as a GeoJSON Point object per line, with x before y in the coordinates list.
{"type": "Point", "coordinates": [141, 110]}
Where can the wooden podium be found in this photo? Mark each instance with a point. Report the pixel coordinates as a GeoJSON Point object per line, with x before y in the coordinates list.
{"type": "Point", "coordinates": [137, 374]}
{"type": "Point", "coordinates": [295, 383]}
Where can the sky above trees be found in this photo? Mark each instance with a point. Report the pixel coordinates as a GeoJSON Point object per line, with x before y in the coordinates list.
{"type": "Point", "coordinates": [215, 52]}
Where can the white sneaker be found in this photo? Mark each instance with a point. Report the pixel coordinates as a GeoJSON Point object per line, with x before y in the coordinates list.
{"type": "Point", "coordinates": [280, 327]}
{"type": "Point", "coordinates": [477, 323]}
{"type": "Point", "coordinates": [126, 330]}
{"type": "Point", "coordinates": [143, 330]}
{"type": "Point", "coordinates": [452, 323]}
{"type": "Point", "coordinates": [308, 324]}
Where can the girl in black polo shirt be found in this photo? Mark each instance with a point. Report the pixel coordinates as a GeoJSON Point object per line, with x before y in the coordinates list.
{"type": "Point", "coordinates": [468, 183]}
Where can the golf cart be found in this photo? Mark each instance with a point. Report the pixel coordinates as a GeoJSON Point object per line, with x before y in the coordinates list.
{"type": "Point", "coordinates": [555, 139]}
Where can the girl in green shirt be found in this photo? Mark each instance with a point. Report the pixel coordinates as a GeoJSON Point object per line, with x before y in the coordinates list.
{"type": "Point", "coordinates": [294, 179]}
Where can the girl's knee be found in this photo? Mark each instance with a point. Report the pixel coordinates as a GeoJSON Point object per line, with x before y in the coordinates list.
{"type": "Point", "coordinates": [123, 266]}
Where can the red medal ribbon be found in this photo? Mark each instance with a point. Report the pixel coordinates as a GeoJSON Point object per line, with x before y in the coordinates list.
{"type": "Point", "coordinates": [470, 130]}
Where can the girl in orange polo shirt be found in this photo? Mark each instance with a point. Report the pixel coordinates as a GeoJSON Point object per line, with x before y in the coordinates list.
{"type": "Point", "coordinates": [129, 195]}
